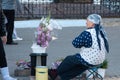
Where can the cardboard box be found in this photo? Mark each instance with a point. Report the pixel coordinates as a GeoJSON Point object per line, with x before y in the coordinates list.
{"type": "Point", "coordinates": [22, 73]}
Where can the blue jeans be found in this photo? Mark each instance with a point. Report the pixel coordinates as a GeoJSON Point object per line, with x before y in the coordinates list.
{"type": "Point", "coordinates": [70, 68]}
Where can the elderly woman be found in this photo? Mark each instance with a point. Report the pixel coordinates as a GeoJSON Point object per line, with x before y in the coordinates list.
{"type": "Point", "coordinates": [3, 39]}
{"type": "Point", "coordinates": [93, 45]}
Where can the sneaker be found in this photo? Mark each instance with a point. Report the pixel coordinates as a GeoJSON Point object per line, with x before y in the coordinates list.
{"type": "Point", "coordinates": [17, 39]}
{"type": "Point", "coordinates": [9, 78]}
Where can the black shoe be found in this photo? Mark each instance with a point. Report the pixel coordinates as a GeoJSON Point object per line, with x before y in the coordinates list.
{"type": "Point", "coordinates": [12, 43]}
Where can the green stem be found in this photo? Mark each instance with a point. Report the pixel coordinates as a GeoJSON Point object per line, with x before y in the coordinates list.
{"type": "Point", "coordinates": [48, 17]}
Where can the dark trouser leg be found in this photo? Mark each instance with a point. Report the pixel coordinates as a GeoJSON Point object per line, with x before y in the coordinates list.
{"type": "Point", "coordinates": [10, 15]}
{"type": "Point", "coordinates": [3, 62]}
{"type": "Point", "coordinates": [70, 68]}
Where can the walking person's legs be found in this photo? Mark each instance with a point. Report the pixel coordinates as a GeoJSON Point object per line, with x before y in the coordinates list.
{"type": "Point", "coordinates": [15, 35]}
{"type": "Point", "coordinates": [10, 15]}
{"type": "Point", "coordinates": [3, 64]}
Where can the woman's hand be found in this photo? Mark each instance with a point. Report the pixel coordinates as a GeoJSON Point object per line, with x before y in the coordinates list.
{"type": "Point", "coordinates": [4, 39]}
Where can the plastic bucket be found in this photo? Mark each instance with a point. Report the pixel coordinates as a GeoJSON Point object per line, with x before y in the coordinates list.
{"type": "Point", "coordinates": [41, 73]}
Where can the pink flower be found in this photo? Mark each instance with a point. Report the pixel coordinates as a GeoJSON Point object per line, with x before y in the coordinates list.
{"type": "Point", "coordinates": [43, 35]}
{"type": "Point", "coordinates": [56, 63]}
{"type": "Point", "coordinates": [23, 64]}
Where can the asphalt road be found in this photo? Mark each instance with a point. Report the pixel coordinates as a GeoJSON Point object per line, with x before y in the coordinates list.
{"type": "Point", "coordinates": [62, 47]}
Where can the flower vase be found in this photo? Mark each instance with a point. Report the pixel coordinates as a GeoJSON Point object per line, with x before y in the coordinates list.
{"type": "Point", "coordinates": [37, 49]}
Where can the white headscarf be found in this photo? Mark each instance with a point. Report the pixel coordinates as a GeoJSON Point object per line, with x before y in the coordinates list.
{"type": "Point", "coordinates": [95, 18]}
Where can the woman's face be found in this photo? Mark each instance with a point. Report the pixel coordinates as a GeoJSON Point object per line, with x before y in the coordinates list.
{"type": "Point", "coordinates": [89, 24]}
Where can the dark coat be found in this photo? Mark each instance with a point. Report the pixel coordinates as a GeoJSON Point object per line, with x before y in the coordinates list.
{"type": "Point", "coordinates": [2, 23]}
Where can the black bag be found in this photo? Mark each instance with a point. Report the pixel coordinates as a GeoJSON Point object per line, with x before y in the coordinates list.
{"type": "Point", "coordinates": [52, 73]}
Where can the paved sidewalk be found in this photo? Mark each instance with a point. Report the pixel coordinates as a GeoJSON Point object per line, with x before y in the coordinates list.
{"type": "Point", "coordinates": [63, 47]}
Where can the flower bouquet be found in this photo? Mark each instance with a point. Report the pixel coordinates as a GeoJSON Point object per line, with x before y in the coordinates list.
{"type": "Point", "coordinates": [44, 34]}
{"type": "Point", "coordinates": [57, 63]}
{"type": "Point", "coordinates": [53, 71]}
{"type": "Point", "coordinates": [23, 64]}
{"type": "Point", "coordinates": [23, 68]}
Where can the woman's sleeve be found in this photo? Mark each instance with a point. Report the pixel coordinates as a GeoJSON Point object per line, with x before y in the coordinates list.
{"type": "Point", "coordinates": [2, 24]}
{"type": "Point", "coordinates": [83, 40]}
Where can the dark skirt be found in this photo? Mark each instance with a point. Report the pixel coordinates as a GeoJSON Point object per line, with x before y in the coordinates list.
{"type": "Point", "coordinates": [72, 66]}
